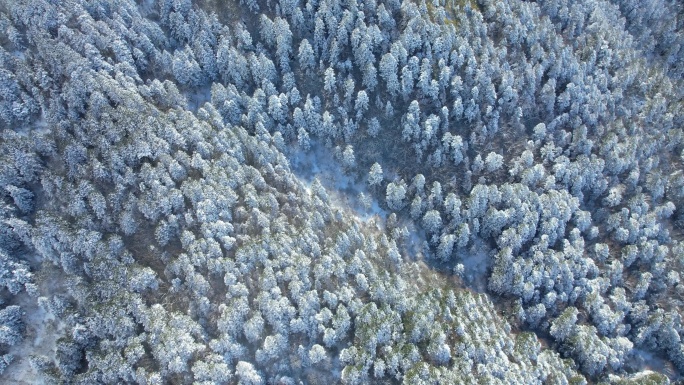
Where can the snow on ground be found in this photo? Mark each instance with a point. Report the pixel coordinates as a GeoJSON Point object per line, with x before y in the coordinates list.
{"type": "Point", "coordinates": [42, 332]}
{"type": "Point", "coordinates": [37, 127]}
{"type": "Point", "coordinates": [197, 98]}
{"type": "Point", "coordinates": [416, 245]}
{"type": "Point", "coordinates": [343, 189]}
{"type": "Point", "coordinates": [476, 263]}
{"type": "Point", "coordinates": [646, 361]}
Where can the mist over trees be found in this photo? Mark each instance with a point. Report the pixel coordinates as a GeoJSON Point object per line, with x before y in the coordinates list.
{"type": "Point", "coordinates": [285, 192]}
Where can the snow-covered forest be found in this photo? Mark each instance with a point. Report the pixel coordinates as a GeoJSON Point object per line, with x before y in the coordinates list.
{"type": "Point", "coordinates": [356, 192]}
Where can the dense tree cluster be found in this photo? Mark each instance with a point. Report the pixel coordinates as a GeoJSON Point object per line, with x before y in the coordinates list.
{"type": "Point", "coordinates": [150, 209]}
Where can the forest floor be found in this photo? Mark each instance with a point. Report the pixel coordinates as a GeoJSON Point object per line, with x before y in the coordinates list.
{"type": "Point", "coordinates": [344, 189]}
{"type": "Point", "coordinates": [42, 332]}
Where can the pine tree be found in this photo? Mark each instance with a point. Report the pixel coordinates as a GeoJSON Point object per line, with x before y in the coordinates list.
{"type": "Point", "coordinates": [329, 81]}
{"type": "Point", "coordinates": [11, 325]}
{"type": "Point", "coordinates": [307, 61]}
{"type": "Point", "coordinates": [375, 175]}
{"type": "Point", "coordinates": [388, 71]}
{"type": "Point", "coordinates": [361, 103]}
{"type": "Point", "coordinates": [395, 195]}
